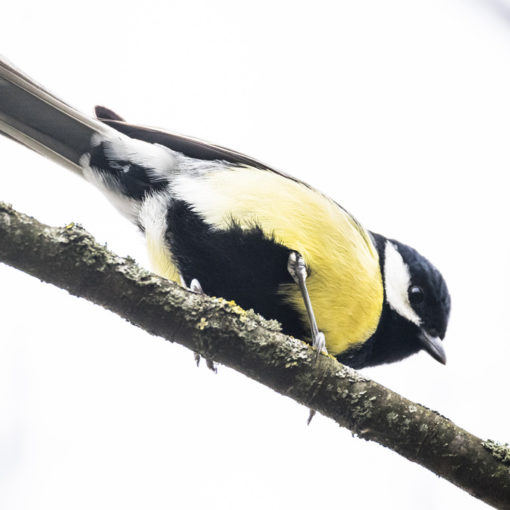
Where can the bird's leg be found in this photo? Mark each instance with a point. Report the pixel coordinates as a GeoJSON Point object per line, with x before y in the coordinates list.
{"type": "Point", "coordinates": [195, 287]}
{"type": "Point", "coordinates": [297, 269]}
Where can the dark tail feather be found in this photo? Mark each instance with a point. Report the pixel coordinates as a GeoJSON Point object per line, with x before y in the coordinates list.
{"type": "Point", "coordinates": [37, 119]}
{"type": "Point", "coordinates": [103, 113]}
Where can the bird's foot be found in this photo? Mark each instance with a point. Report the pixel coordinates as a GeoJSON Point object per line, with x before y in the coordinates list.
{"type": "Point", "coordinates": [319, 342]}
{"type": "Point", "coordinates": [195, 287]}
{"type": "Point", "coordinates": [209, 363]}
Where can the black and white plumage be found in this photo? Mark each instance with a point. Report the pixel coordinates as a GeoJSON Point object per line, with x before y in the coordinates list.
{"type": "Point", "coordinates": [231, 222]}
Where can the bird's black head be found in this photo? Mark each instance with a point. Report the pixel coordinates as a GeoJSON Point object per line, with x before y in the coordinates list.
{"type": "Point", "coordinates": [415, 312]}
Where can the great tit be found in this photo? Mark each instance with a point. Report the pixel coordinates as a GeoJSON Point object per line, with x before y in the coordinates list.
{"type": "Point", "coordinates": [241, 230]}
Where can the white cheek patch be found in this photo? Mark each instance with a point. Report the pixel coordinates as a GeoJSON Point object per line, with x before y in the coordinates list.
{"type": "Point", "coordinates": [397, 280]}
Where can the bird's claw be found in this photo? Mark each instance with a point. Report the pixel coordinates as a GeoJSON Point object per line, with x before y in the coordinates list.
{"type": "Point", "coordinates": [211, 365]}
{"type": "Point", "coordinates": [195, 287]}
{"type": "Point", "coordinates": [319, 342]}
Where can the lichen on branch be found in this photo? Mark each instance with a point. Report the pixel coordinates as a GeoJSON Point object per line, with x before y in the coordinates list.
{"type": "Point", "coordinates": [69, 258]}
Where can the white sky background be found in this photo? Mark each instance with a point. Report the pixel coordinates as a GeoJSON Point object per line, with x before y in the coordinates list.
{"type": "Point", "coordinates": [400, 110]}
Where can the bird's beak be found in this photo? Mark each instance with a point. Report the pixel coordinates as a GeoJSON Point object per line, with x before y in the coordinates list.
{"type": "Point", "coordinates": [433, 345]}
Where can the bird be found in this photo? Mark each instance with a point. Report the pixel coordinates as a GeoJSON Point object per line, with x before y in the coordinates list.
{"type": "Point", "coordinates": [233, 227]}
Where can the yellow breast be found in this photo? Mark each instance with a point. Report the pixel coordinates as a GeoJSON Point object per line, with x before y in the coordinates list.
{"type": "Point", "coordinates": [345, 283]}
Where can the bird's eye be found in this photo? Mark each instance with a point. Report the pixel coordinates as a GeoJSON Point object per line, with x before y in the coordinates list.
{"type": "Point", "coordinates": [416, 295]}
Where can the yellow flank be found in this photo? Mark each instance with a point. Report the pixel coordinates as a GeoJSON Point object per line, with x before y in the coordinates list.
{"type": "Point", "coordinates": [160, 258]}
{"type": "Point", "coordinates": [345, 283]}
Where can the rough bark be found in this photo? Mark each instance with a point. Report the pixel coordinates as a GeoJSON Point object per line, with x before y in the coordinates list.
{"type": "Point", "coordinates": [69, 258]}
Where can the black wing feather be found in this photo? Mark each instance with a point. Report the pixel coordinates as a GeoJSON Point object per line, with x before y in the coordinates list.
{"type": "Point", "coordinates": [190, 147]}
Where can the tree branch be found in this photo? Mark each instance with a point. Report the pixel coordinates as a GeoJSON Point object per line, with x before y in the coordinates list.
{"type": "Point", "coordinates": [70, 258]}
